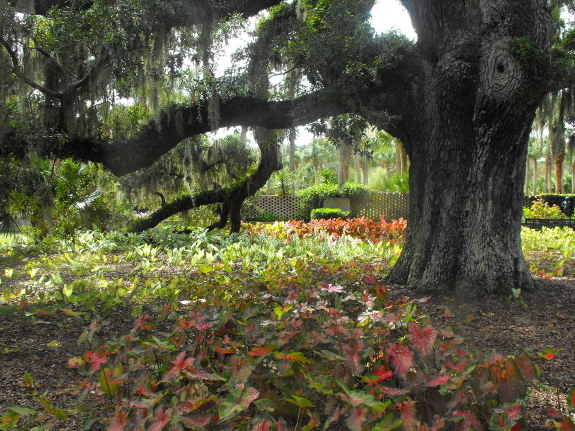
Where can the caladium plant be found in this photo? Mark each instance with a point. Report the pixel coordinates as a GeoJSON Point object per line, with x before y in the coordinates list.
{"type": "Point", "coordinates": [301, 344]}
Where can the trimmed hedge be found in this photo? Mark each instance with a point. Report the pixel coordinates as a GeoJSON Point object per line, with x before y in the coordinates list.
{"type": "Point", "coordinates": [329, 213]}
{"type": "Point", "coordinates": [314, 196]}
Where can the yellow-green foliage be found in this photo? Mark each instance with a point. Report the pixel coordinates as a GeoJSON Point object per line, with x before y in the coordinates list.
{"type": "Point", "coordinates": [541, 209]}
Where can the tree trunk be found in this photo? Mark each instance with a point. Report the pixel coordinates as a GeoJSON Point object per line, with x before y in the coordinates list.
{"type": "Point", "coordinates": [535, 176]}
{"type": "Point", "coordinates": [559, 158]}
{"type": "Point", "coordinates": [527, 176]}
{"type": "Point", "coordinates": [357, 166]}
{"type": "Point", "coordinates": [398, 161]}
{"type": "Point", "coordinates": [344, 160]}
{"type": "Point", "coordinates": [548, 185]}
{"type": "Point", "coordinates": [468, 146]}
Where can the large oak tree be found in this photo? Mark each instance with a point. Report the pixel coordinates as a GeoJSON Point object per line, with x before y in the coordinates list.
{"type": "Point", "coordinates": [462, 99]}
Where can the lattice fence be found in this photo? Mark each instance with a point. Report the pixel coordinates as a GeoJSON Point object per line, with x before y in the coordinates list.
{"type": "Point", "coordinates": [373, 205]}
{"type": "Point", "coordinates": [283, 207]}
{"type": "Point", "coordinates": [376, 204]}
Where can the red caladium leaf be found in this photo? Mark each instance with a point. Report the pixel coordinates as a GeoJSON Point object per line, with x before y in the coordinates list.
{"type": "Point", "coordinates": [566, 425]}
{"type": "Point", "coordinates": [393, 392]}
{"type": "Point", "coordinates": [89, 333]}
{"type": "Point", "coordinates": [509, 381]}
{"type": "Point", "coordinates": [439, 381]}
{"type": "Point", "coordinates": [285, 360]}
{"type": "Point", "coordinates": [261, 351]}
{"type": "Point", "coordinates": [369, 279]}
{"type": "Point", "coordinates": [333, 417]}
{"type": "Point", "coordinates": [140, 321]}
{"type": "Point", "coordinates": [195, 420]}
{"type": "Point", "coordinates": [194, 403]}
{"type": "Point", "coordinates": [408, 414]}
{"type": "Point", "coordinates": [401, 359]}
{"type": "Point", "coordinates": [423, 339]}
{"type": "Point", "coordinates": [330, 287]}
{"type": "Point", "coordinates": [202, 326]}
{"type": "Point", "coordinates": [356, 418]}
{"type": "Point", "coordinates": [263, 425]}
{"type": "Point", "coordinates": [238, 369]}
{"type": "Point", "coordinates": [225, 351]}
{"type": "Point", "coordinates": [446, 334]}
{"type": "Point", "coordinates": [466, 420]}
{"type": "Point", "coordinates": [160, 419]}
{"type": "Point", "coordinates": [381, 375]}
{"type": "Point", "coordinates": [120, 420]}
{"type": "Point", "coordinates": [571, 398]}
{"type": "Point", "coordinates": [313, 422]}
{"type": "Point", "coordinates": [549, 354]}
{"type": "Point", "coordinates": [506, 417]}
{"type": "Point", "coordinates": [97, 359]}
{"type": "Point", "coordinates": [351, 352]}
{"type": "Point", "coordinates": [553, 414]}
{"type": "Point", "coordinates": [457, 399]}
{"type": "Point", "coordinates": [180, 364]}
{"type": "Point", "coordinates": [143, 391]}
{"type": "Point", "coordinates": [526, 367]}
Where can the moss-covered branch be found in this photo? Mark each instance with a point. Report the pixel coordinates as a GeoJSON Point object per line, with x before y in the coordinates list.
{"type": "Point", "coordinates": [231, 197]}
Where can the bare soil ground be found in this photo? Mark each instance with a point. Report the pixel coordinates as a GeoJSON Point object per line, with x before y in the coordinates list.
{"type": "Point", "coordinates": [540, 320]}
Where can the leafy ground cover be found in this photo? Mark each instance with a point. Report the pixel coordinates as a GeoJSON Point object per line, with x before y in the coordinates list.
{"type": "Point", "coordinates": [285, 326]}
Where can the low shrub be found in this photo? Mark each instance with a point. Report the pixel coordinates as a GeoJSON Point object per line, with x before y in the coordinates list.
{"type": "Point", "coordinates": [541, 209]}
{"type": "Point", "coordinates": [313, 197]}
{"type": "Point", "coordinates": [319, 347]}
{"type": "Point", "coordinates": [329, 213]}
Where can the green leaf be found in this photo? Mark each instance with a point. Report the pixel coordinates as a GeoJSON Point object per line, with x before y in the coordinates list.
{"type": "Point", "coordinates": [358, 397]}
{"type": "Point", "coordinates": [29, 381]}
{"type": "Point", "coordinates": [108, 382]}
{"type": "Point", "coordinates": [388, 423]}
{"type": "Point", "coordinates": [237, 401]}
{"type": "Point", "coordinates": [22, 410]}
{"type": "Point", "coordinates": [67, 290]}
{"type": "Point", "coordinates": [300, 402]}
{"type": "Point", "coordinates": [9, 420]}
{"type": "Point", "coordinates": [280, 311]}
{"type": "Point", "coordinates": [566, 425]}
{"type": "Point", "coordinates": [571, 398]}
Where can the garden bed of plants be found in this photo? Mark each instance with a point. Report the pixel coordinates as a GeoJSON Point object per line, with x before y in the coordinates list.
{"type": "Point", "coordinates": [285, 326]}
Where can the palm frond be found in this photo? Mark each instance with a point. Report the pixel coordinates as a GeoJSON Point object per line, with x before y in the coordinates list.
{"type": "Point", "coordinates": [8, 225]}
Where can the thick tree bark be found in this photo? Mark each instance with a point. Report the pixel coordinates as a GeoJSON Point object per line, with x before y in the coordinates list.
{"type": "Point", "coordinates": [468, 144]}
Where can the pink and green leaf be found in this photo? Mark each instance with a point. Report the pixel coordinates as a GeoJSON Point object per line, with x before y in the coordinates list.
{"type": "Point", "coordinates": [356, 418]}
{"type": "Point", "coordinates": [160, 419]}
{"type": "Point", "coordinates": [408, 414]}
{"type": "Point", "coordinates": [507, 377]}
{"type": "Point", "coordinates": [566, 425]}
{"type": "Point", "coordinates": [120, 420]}
{"type": "Point", "coordinates": [466, 420]}
{"type": "Point", "coordinates": [571, 398]}
{"type": "Point", "coordinates": [422, 339]}
{"type": "Point", "coordinates": [401, 359]}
